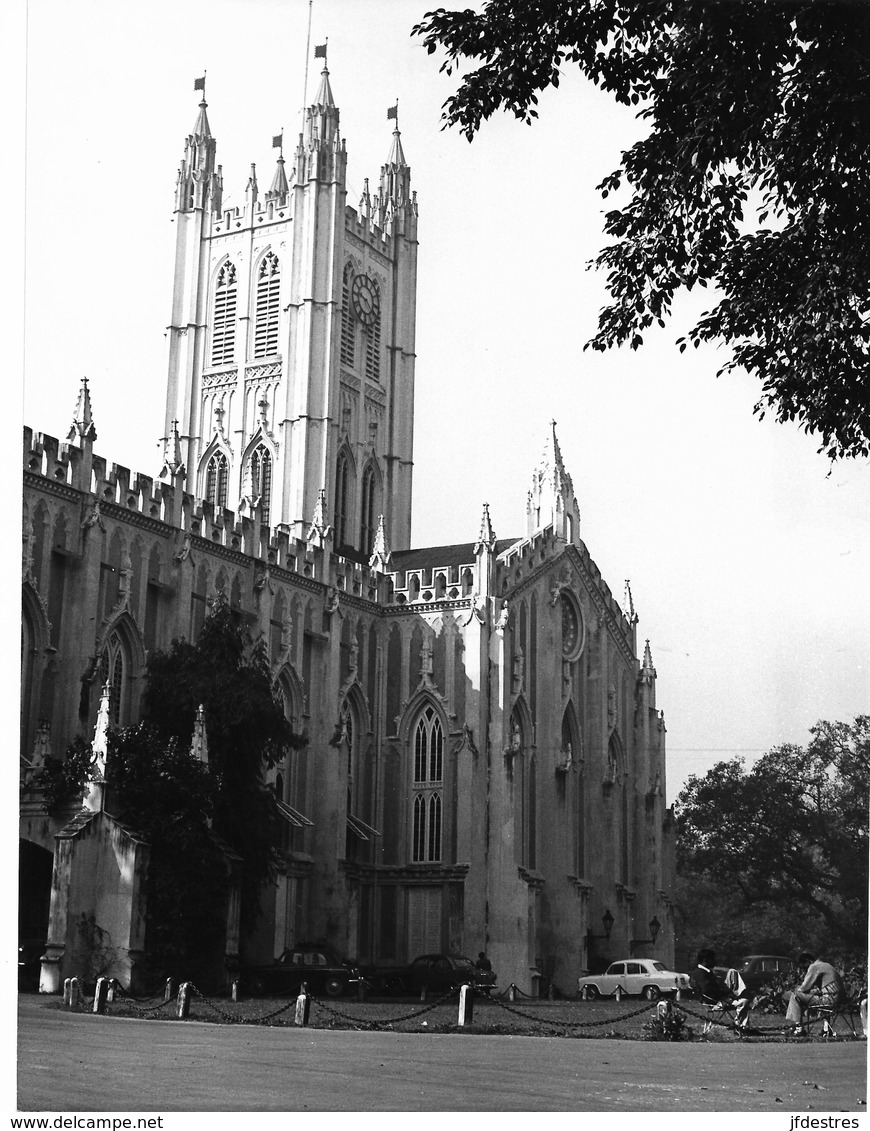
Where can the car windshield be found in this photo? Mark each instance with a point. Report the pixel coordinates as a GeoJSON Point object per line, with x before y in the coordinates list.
{"type": "Point", "coordinates": [658, 966]}
{"type": "Point", "coordinates": [461, 960]}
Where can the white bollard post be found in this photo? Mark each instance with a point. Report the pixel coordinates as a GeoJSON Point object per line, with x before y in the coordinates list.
{"type": "Point", "coordinates": [618, 994]}
{"type": "Point", "coordinates": [168, 992]}
{"type": "Point", "coordinates": [303, 1005]}
{"type": "Point", "coordinates": [67, 999]}
{"type": "Point", "coordinates": [583, 994]}
{"type": "Point", "coordinates": [110, 993]}
{"type": "Point", "coordinates": [183, 1010]}
{"type": "Point", "coordinates": [862, 1012]}
{"type": "Point", "coordinates": [234, 992]}
{"type": "Point", "coordinates": [73, 992]}
{"type": "Point", "coordinates": [466, 1005]}
{"type": "Point", "coordinates": [422, 993]}
{"type": "Point", "coordinates": [100, 995]}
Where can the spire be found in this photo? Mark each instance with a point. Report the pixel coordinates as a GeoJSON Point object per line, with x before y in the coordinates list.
{"type": "Point", "coordinates": [197, 186]}
{"type": "Point", "coordinates": [83, 417]}
{"type": "Point", "coordinates": [397, 155]}
{"type": "Point", "coordinates": [172, 462]}
{"type": "Point", "coordinates": [319, 531]}
{"type": "Point", "coordinates": [551, 499]}
{"type": "Point", "coordinates": [324, 98]}
{"type": "Point", "coordinates": [99, 749]}
{"type": "Point", "coordinates": [381, 553]}
{"type": "Point", "coordinates": [648, 671]}
{"type": "Point", "coordinates": [628, 604]}
{"type": "Point", "coordinates": [279, 188]}
{"type": "Point", "coordinates": [199, 742]}
{"type": "Point", "coordinates": [201, 128]}
{"type": "Point", "coordinates": [486, 538]}
{"type": "Point", "coordinates": [395, 190]}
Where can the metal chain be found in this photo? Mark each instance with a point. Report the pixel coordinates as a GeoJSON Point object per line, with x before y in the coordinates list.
{"type": "Point", "coordinates": [571, 1024]}
{"type": "Point", "coordinates": [375, 1024]}
{"type": "Point", "coordinates": [231, 1020]}
{"type": "Point", "coordinates": [134, 1003]}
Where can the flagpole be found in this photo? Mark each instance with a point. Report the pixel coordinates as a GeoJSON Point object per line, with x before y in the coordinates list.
{"type": "Point", "coordinates": [307, 51]}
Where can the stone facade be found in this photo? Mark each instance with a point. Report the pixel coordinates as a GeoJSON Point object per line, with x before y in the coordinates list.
{"type": "Point", "coordinates": [486, 763]}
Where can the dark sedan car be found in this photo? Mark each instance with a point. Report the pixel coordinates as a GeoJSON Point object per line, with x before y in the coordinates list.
{"type": "Point", "coordinates": [437, 973]}
{"type": "Point", "coordinates": [757, 970]}
{"type": "Point", "coordinates": [318, 967]}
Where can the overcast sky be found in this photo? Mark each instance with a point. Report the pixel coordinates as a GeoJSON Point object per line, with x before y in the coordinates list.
{"type": "Point", "coordinates": [747, 553]}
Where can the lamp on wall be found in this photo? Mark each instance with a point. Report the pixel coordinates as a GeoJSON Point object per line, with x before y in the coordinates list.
{"type": "Point", "coordinates": [607, 923]}
{"type": "Point", "coordinates": [654, 928]}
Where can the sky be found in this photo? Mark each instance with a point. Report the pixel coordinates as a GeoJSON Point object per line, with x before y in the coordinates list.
{"type": "Point", "coordinates": [748, 553]}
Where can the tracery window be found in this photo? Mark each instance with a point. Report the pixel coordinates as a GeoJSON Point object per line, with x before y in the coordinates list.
{"type": "Point", "coordinates": [373, 347]}
{"type": "Point", "coordinates": [428, 780]}
{"type": "Point", "coordinates": [260, 467]}
{"type": "Point", "coordinates": [223, 331]}
{"type": "Point", "coordinates": [216, 476]}
{"type": "Point", "coordinates": [112, 665]}
{"type": "Point", "coordinates": [367, 520]}
{"type": "Point", "coordinates": [340, 510]}
{"type": "Point", "coordinates": [348, 351]}
{"type": "Point", "coordinates": [268, 306]}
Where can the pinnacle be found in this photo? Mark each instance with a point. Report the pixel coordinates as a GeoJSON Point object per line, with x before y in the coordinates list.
{"type": "Point", "coordinates": [83, 417]}
{"type": "Point", "coordinates": [486, 538]}
{"type": "Point", "coordinates": [324, 93]}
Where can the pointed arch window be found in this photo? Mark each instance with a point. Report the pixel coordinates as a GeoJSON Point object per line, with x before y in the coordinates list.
{"type": "Point", "coordinates": [427, 788]}
{"type": "Point", "coordinates": [268, 306]}
{"type": "Point", "coordinates": [260, 467]}
{"type": "Point", "coordinates": [223, 329]}
{"type": "Point", "coordinates": [373, 344]}
{"type": "Point", "coordinates": [367, 519]}
{"type": "Point", "coordinates": [348, 344]}
{"type": "Point", "coordinates": [113, 665]}
{"type": "Point", "coordinates": [340, 510]}
{"type": "Point", "coordinates": [216, 477]}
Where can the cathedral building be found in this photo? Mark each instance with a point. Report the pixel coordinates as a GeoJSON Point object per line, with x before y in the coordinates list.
{"type": "Point", "coordinates": [485, 767]}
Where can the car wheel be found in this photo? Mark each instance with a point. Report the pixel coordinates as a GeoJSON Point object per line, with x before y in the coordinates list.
{"type": "Point", "coordinates": [652, 993]}
{"type": "Point", "coordinates": [335, 987]}
{"type": "Point", "coordinates": [592, 992]}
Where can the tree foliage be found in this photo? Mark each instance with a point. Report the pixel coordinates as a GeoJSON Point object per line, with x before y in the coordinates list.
{"type": "Point", "coordinates": [189, 813]}
{"type": "Point", "coordinates": [753, 176]}
{"type": "Point", "coordinates": [790, 832]}
{"type": "Point", "coordinates": [168, 798]}
{"type": "Point", "coordinates": [246, 728]}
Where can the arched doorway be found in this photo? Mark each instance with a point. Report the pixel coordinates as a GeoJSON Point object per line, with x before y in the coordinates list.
{"type": "Point", "coordinates": [34, 896]}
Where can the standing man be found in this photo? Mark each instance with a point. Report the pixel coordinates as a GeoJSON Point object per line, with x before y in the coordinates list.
{"type": "Point", "coordinates": [483, 963]}
{"type": "Point", "coordinates": [822, 986]}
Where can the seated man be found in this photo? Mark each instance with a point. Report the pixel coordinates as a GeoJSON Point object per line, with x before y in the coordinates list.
{"type": "Point", "coordinates": [711, 989]}
{"type": "Point", "coordinates": [823, 985]}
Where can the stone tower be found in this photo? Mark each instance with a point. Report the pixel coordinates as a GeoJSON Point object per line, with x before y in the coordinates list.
{"type": "Point", "coordinates": [291, 343]}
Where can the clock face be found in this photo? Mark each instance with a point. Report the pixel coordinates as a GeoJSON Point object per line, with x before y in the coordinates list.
{"type": "Point", "coordinates": [366, 299]}
{"type": "Point", "coordinates": [572, 629]}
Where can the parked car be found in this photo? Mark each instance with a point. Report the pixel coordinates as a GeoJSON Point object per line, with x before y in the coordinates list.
{"type": "Point", "coordinates": [318, 967]}
{"type": "Point", "coordinates": [438, 973]}
{"type": "Point", "coordinates": [642, 976]}
{"type": "Point", "coordinates": [757, 969]}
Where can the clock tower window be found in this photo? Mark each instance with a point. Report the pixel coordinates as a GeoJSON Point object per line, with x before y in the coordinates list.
{"type": "Point", "coordinates": [348, 329]}
{"type": "Point", "coordinates": [223, 328]}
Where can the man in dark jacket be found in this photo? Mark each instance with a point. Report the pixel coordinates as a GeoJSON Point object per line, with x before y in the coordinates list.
{"type": "Point", "coordinates": [711, 989]}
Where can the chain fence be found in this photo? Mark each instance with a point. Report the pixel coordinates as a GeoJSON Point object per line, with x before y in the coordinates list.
{"type": "Point", "coordinates": [79, 1000]}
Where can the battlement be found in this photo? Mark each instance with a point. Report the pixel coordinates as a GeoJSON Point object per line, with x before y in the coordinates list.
{"type": "Point", "coordinates": [524, 557]}
{"type": "Point", "coordinates": [366, 230]}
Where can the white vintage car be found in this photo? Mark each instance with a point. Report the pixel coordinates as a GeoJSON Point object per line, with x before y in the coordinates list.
{"type": "Point", "coordinates": [642, 976]}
